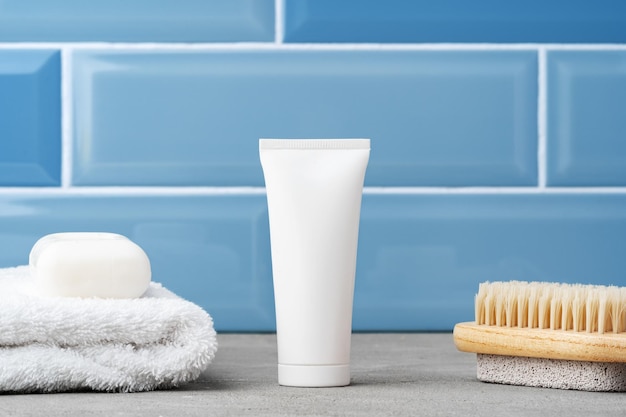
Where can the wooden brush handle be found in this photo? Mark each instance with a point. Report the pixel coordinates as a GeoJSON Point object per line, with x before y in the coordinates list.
{"type": "Point", "coordinates": [540, 343]}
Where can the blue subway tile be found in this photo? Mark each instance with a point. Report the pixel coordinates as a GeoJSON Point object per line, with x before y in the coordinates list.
{"type": "Point", "coordinates": [586, 118]}
{"type": "Point", "coordinates": [420, 260]}
{"type": "Point", "coordinates": [491, 21]}
{"type": "Point", "coordinates": [137, 21]}
{"type": "Point", "coordinates": [443, 118]}
{"type": "Point", "coordinates": [211, 250]}
{"type": "Point", "coordinates": [422, 257]}
{"type": "Point", "coordinates": [30, 118]}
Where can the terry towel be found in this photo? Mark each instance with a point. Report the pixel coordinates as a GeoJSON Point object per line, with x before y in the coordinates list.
{"type": "Point", "coordinates": [156, 341]}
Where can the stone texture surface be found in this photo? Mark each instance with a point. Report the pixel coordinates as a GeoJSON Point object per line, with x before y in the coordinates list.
{"type": "Point", "coordinates": [550, 373]}
{"type": "Point", "coordinates": [393, 375]}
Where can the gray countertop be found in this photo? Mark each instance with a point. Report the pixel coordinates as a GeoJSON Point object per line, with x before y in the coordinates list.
{"type": "Point", "coordinates": [392, 375]}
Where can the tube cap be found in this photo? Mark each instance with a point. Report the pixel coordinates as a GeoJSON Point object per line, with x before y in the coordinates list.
{"type": "Point", "coordinates": [314, 375]}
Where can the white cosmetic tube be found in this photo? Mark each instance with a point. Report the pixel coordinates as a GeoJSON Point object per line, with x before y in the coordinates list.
{"type": "Point", "coordinates": [314, 189]}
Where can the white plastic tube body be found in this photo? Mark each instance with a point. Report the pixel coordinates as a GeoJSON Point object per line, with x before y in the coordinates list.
{"type": "Point", "coordinates": [314, 189]}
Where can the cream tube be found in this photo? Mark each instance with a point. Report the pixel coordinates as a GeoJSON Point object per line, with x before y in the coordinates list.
{"type": "Point", "coordinates": [314, 189]}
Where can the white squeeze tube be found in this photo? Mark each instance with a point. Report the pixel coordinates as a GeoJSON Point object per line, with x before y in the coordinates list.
{"type": "Point", "coordinates": [314, 189]}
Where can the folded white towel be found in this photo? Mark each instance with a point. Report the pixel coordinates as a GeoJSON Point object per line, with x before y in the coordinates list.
{"type": "Point", "coordinates": [65, 344]}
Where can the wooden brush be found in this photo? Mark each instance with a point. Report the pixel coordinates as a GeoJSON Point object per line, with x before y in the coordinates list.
{"type": "Point", "coordinates": [548, 335]}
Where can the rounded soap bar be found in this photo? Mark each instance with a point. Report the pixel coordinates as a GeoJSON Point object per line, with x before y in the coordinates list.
{"type": "Point", "coordinates": [87, 264]}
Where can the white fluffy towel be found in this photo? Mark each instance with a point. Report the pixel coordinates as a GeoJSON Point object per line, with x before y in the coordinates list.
{"type": "Point", "coordinates": [70, 344]}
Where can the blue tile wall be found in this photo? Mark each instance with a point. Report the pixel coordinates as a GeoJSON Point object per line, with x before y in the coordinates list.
{"type": "Point", "coordinates": [491, 159]}
{"type": "Point", "coordinates": [587, 118]}
{"type": "Point", "coordinates": [420, 259]}
{"type": "Point", "coordinates": [449, 118]}
{"type": "Point", "coordinates": [211, 250]}
{"type": "Point", "coordinates": [30, 117]}
{"type": "Point", "coordinates": [455, 21]}
{"type": "Point", "coordinates": [137, 21]}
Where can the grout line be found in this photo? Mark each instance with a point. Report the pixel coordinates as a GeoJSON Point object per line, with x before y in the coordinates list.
{"type": "Point", "coordinates": [132, 190]}
{"type": "Point", "coordinates": [222, 191]}
{"type": "Point", "coordinates": [542, 120]}
{"type": "Point", "coordinates": [493, 190]}
{"type": "Point", "coordinates": [66, 117]}
{"type": "Point", "coordinates": [276, 45]}
{"type": "Point", "coordinates": [279, 21]}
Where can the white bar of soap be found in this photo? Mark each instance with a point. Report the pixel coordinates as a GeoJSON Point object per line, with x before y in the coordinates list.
{"type": "Point", "coordinates": [86, 264]}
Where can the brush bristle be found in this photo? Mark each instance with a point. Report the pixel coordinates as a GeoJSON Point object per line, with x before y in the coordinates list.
{"type": "Point", "coordinates": [541, 305]}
